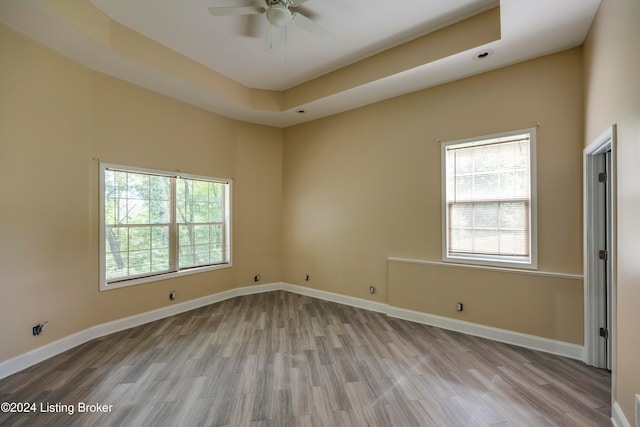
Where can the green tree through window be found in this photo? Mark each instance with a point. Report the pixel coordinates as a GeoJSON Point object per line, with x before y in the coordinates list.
{"type": "Point", "coordinates": [157, 223]}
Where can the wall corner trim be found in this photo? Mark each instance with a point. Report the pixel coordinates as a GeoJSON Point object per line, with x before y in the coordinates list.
{"type": "Point", "coordinates": [25, 360]}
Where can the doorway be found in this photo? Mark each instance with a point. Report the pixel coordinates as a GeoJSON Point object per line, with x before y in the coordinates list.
{"type": "Point", "coordinates": [599, 250]}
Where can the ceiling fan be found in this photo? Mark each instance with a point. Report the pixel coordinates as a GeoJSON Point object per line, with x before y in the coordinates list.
{"type": "Point", "coordinates": [279, 13]}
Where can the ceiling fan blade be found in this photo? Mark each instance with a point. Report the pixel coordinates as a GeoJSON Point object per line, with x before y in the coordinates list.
{"type": "Point", "coordinates": [306, 12]}
{"type": "Point", "coordinates": [253, 26]}
{"type": "Point", "coordinates": [236, 10]}
{"type": "Point", "coordinates": [297, 3]}
{"type": "Point", "coordinates": [310, 26]}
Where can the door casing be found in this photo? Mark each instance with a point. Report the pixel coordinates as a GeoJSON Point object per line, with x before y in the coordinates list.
{"type": "Point", "coordinates": [594, 301]}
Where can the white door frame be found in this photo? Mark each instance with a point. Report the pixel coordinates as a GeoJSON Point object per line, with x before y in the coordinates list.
{"type": "Point", "coordinates": [593, 299]}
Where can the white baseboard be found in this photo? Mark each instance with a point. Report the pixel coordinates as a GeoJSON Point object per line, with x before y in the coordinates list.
{"type": "Point", "coordinates": [617, 416]}
{"type": "Point", "coordinates": [533, 342]}
{"type": "Point", "coordinates": [39, 354]}
{"type": "Point", "coordinates": [23, 361]}
{"type": "Point", "coordinates": [333, 297]}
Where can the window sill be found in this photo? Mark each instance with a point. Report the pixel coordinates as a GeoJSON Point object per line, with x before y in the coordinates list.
{"type": "Point", "coordinates": [499, 262]}
{"type": "Point", "coordinates": [163, 276]}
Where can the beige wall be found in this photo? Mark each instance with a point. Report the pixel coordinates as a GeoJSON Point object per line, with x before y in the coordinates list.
{"type": "Point", "coordinates": [55, 118]}
{"type": "Point", "coordinates": [548, 306]}
{"type": "Point", "coordinates": [331, 198]}
{"type": "Point", "coordinates": [362, 186]}
{"type": "Point", "coordinates": [612, 95]}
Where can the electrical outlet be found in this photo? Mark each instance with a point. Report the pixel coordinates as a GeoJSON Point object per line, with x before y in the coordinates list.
{"type": "Point", "coordinates": [372, 290]}
{"type": "Point", "coordinates": [172, 296]}
{"type": "Point", "coordinates": [459, 306]}
{"type": "Point", "coordinates": [38, 329]}
{"type": "Point", "coordinates": [306, 277]}
{"type": "Point", "coordinates": [256, 278]}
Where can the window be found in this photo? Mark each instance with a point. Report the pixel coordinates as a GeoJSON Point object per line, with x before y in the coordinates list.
{"type": "Point", "coordinates": [156, 225]}
{"type": "Point", "coordinates": [489, 208]}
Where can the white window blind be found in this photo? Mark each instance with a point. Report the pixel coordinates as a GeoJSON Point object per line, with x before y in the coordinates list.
{"type": "Point", "coordinates": [488, 195]}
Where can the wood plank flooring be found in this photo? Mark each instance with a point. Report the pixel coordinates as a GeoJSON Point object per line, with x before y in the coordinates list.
{"type": "Point", "coordinates": [282, 359]}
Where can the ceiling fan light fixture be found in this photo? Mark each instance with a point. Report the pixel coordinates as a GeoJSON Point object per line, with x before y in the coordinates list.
{"type": "Point", "coordinates": [278, 15]}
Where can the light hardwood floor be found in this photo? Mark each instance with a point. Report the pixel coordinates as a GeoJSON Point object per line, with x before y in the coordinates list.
{"type": "Point", "coordinates": [280, 359]}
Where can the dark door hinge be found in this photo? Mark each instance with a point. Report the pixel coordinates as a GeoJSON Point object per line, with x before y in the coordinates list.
{"type": "Point", "coordinates": [604, 333]}
{"type": "Point", "coordinates": [602, 177]}
{"type": "Point", "coordinates": [603, 254]}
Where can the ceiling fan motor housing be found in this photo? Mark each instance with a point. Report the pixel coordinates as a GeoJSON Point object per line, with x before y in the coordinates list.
{"type": "Point", "coordinates": [278, 15]}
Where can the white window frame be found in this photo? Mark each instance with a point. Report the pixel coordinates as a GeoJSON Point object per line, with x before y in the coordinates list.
{"type": "Point", "coordinates": [174, 270]}
{"type": "Point", "coordinates": [494, 260]}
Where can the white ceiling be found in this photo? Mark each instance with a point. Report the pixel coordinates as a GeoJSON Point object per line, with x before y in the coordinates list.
{"type": "Point", "coordinates": [228, 45]}
{"type": "Point", "coordinates": [235, 46]}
